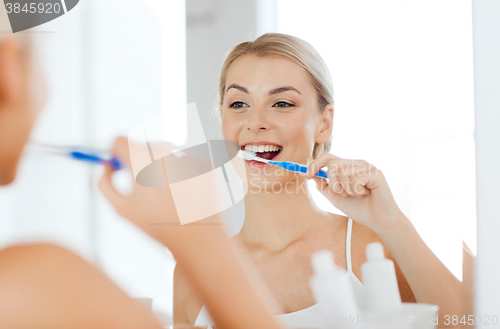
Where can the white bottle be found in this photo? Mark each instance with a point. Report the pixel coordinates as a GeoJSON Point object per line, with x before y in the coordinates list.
{"type": "Point", "coordinates": [379, 279]}
{"type": "Point", "coordinates": [331, 288]}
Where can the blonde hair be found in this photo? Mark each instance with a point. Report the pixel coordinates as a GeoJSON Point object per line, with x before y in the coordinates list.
{"type": "Point", "coordinates": [299, 51]}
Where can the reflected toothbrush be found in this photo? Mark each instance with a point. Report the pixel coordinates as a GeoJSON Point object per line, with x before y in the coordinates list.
{"type": "Point", "coordinates": [287, 165]}
{"type": "Point", "coordinates": [86, 154]}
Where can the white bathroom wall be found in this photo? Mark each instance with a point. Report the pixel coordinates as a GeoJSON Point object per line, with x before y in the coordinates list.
{"type": "Point", "coordinates": [486, 26]}
{"type": "Point", "coordinates": [213, 28]}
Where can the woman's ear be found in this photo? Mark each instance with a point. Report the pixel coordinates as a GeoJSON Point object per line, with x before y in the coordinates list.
{"type": "Point", "coordinates": [326, 125]}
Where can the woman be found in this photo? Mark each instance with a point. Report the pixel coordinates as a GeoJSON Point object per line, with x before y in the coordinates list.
{"type": "Point", "coordinates": [276, 99]}
{"type": "Point", "coordinates": [46, 286]}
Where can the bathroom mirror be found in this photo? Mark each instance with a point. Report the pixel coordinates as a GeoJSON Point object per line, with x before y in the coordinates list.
{"type": "Point", "coordinates": [404, 99]}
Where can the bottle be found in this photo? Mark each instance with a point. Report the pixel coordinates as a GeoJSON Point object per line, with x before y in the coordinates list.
{"type": "Point", "coordinates": [379, 279]}
{"type": "Point", "coordinates": [331, 288]}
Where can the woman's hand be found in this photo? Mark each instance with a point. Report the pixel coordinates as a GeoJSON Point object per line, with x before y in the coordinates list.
{"type": "Point", "coordinates": [219, 269]}
{"type": "Point", "coordinates": [146, 207]}
{"type": "Point", "coordinates": [358, 189]}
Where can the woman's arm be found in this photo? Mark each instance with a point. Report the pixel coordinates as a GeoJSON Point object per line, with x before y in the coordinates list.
{"type": "Point", "coordinates": [361, 191]}
{"type": "Point", "coordinates": [220, 272]}
{"type": "Point", "coordinates": [180, 298]}
{"type": "Point", "coordinates": [429, 279]}
{"type": "Point", "coordinates": [219, 269]}
{"type": "Point", "coordinates": [187, 303]}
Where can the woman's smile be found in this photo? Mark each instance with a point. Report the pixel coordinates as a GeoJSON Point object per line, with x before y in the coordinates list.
{"type": "Point", "coordinates": [262, 149]}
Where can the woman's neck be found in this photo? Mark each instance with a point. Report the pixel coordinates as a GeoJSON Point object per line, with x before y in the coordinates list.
{"type": "Point", "coordinates": [275, 221]}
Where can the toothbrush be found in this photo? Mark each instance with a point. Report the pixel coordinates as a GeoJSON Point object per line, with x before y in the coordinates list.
{"type": "Point", "coordinates": [82, 154]}
{"type": "Point", "coordinates": [290, 166]}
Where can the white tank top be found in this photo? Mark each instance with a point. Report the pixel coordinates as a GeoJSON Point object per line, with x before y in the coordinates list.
{"type": "Point", "coordinates": [311, 316]}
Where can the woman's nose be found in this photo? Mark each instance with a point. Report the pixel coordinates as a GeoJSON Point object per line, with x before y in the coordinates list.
{"type": "Point", "coordinates": [258, 120]}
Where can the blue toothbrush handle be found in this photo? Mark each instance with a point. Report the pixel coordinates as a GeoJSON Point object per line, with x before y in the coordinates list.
{"type": "Point", "coordinates": [322, 174]}
{"type": "Point", "coordinates": [117, 165]}
{"type": "Point", "coordinates": [82, 156]}
{"type": "Point", "coordinates": [292, 166]}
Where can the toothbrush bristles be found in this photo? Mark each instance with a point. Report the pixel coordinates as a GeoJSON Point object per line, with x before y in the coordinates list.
{"type": "Point", "coordinates": [248, 155]}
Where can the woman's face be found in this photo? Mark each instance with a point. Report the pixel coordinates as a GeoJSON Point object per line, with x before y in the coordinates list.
{"type": "Point", "coordinates": [270, 107]}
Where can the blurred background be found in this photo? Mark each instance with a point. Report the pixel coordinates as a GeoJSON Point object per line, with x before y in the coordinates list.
{"type": "Point", "coordinates": [403, 89]}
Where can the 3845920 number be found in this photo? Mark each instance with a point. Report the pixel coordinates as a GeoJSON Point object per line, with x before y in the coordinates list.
{"type": "Point", "coordinates": [486, 320]}
{"type": "Point", "coordinates": [33, 8]}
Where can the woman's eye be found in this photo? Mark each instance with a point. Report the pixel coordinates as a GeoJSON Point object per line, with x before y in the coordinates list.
{"type": "Point", "coordinates": [237, 105]}
{"type": "Point", "coordinates": [283, 104]}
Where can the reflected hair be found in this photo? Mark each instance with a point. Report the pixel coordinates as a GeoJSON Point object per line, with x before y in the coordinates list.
{"type": "Point", "coordinates": [295, 49]}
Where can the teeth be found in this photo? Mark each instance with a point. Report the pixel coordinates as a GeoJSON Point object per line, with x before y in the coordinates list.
{"type": "Point", "coordinates": [261, 148]}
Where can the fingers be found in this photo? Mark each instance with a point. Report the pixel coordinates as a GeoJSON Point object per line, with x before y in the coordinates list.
{"type": "Point", "coordinates": [105, 184]}
{"type": "Point", "coordinates": [323, 160]}
{"type": "Point", "coordinates": [346, 177]}
{"type": "Point", "coordinates": [121, 150]}
{"type": "Point", "coordinates": [335, 184]}
{"type": "Point", "coordinates": [358, 186]}
{"type": "Point", "coordinates": [344, 182]}
{"type": "Point", "coordinates": [324, 187]}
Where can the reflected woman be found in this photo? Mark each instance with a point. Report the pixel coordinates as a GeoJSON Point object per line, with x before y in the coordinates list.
{"type": "Point", "coordinates": [276, 99]}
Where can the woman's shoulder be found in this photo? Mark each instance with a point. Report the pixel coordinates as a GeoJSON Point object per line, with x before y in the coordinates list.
{"type": "Point", "coordinates": [336, 221]}
{"type": "Point", "coordinates": [363, 235]}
